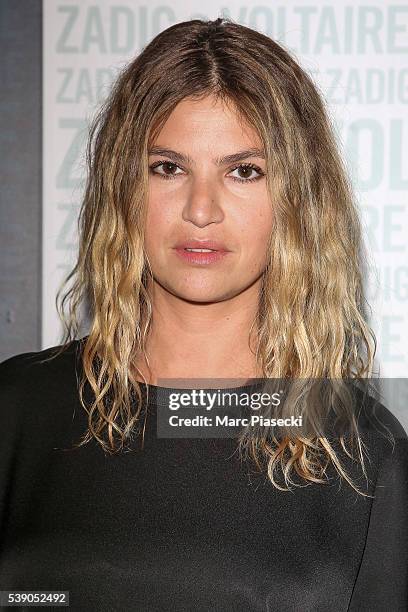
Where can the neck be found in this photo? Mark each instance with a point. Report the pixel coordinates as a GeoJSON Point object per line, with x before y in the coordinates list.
{"type": "Point", "coordinates": [201, 340]}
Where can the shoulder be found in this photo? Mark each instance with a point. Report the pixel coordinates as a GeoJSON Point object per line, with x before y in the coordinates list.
{"type": "Point", "coordinates": [374, 418]}
{"type": "Point", "coordinates": [379, 453]}
{"type": "Point", "coordinates": [386, 440]}
{"type": "Point", "coordinates": [52, 360]}
{"type": "Point", "coordinates": [33, 376]}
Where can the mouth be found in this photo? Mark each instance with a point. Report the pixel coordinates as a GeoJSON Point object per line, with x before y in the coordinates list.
{"type": "Point", "coordinates": [200, 250]}
{"type": "Point", "coordinates": [200, 256]}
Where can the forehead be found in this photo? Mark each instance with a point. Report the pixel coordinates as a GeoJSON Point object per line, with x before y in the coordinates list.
{"type": "Point", "coordinates": [209, 119]}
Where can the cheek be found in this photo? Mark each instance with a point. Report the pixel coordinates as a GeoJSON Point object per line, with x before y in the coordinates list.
{"type": "Point", "coordinates": [158, 224]}
{"type": "Point", "coordinates": [156, 210]}
{"type": "Point", "coordinates": [255, 232]}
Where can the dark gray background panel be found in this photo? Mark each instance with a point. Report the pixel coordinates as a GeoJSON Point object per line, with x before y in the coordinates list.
{"type": "Point", "coordinates": [20, 176]}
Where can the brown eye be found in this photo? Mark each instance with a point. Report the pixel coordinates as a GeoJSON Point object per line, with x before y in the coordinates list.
{"type": "Point", "coordinates": [170, 167]}
{"type": "Point", "coordinates": [167, 167]}
{"type": "Point", "coordinates": [245, 173]}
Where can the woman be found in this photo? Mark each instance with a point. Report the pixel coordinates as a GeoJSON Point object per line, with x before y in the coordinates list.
{"type": "Point", "coordinates": [218, 240]}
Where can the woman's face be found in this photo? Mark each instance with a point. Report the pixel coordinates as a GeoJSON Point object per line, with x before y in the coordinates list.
{"type": "Point", "coordinates": [195, 195]}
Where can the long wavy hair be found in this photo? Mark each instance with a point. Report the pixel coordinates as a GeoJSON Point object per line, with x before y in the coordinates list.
{"type": "Point", "coordinates": [311, 319]}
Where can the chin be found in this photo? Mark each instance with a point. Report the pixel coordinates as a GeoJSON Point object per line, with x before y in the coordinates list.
{"type": "Point", "coordinates": [201, 294]}
{"type": "Point", "coordinates": [207, 297]}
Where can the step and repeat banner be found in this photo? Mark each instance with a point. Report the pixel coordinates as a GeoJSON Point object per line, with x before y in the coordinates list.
{"type": "Point", "coordinates": [356, 52]}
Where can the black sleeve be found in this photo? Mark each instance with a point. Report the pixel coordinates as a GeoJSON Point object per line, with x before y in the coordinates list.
{"type": "Point", "coordinates": [11, 403]}
{"type": "Point", "coordinates": [382, 581]}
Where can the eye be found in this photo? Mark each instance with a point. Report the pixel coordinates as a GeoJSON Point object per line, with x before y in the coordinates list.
{"type": "Point", "coordinates": [169, 171]}
{"type": "Point", "coordinates": [167, 165]}
{"type": "Point", "coordinates": [247, 170]}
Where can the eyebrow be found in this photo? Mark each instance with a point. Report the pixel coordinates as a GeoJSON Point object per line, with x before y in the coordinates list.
{"type": "Point", "coordinates": [219, 161]}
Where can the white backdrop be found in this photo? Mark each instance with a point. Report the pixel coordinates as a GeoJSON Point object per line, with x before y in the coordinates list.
{"type": "Point", "coordinates": [357, 54]}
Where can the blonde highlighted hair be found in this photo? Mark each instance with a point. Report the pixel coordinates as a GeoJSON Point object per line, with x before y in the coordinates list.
{"type": "Point", "coordinates": [311, 321]}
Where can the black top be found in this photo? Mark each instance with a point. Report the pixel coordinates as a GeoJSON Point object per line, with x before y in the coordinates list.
{"type": "Point", "coordinates": [182, 524]}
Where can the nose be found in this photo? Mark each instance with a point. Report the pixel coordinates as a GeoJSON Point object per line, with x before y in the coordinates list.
{"type": "Point", "coordinates": [203, 203]}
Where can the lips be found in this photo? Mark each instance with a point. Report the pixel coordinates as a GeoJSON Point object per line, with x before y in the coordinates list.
{"type": "Point", "coordinates": [208, 252]}
{"type": "Point", "coordinates": [213, 245]}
